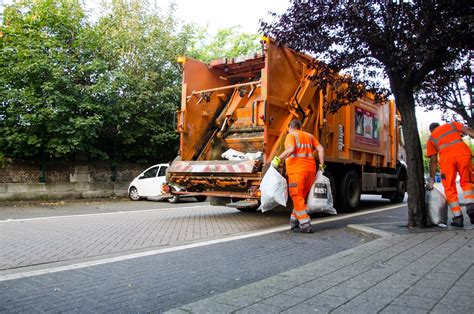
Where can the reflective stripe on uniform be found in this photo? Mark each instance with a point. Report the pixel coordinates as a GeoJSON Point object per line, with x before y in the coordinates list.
{"type": "Point", "coordinates": [304, 220]}
{"type": "Point", "coordinates": [450, 143]}
{"type": "Point", "coordinates": [436, 141]}
{"type": "Point", "coordinates": [300, 212]}
{"type": "Point", "coordinates": [453, 205]}
{"type": "Point", "coordinates": [299, 145]}
{"type": "Point", "coordinates": [297, 140]}
{"type": "Point", "coordinates": [469, 196]}
{"type": "Point", "coordinates": [300, 155]}
{"type": "Point", "coordinates": [302, 216]}
{"type": "Point", "coordinates": [468, 193]}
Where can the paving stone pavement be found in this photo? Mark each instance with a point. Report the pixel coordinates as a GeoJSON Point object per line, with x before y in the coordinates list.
{"type": "Point", "coordinates": [421, 272]}
{"type": "Point", "coordinates": [156, 283]}
{"type": "Point", "coordinates": [40, 241]}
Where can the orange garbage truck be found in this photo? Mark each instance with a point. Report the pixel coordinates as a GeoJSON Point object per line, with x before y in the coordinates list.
{"type": "Point", "coordinates": [233, 120]}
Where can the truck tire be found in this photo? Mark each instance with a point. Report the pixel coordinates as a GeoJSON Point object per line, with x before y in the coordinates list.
{"type": "Point", "coordinates": [201, 198]}
{"type": "Point", "coordinates": [399, 195]}
{"type": "Point", "coordinates": [349, 191]}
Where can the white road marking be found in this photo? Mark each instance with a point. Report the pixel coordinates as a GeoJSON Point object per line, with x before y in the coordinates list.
{"type": "Point", "coordinates": [100, 214]}
{"type": "Point", "coordinates": [183, 247]}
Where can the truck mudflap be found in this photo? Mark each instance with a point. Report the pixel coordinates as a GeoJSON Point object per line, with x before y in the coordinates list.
{"type": "Point", "coordinates": [215, 166]}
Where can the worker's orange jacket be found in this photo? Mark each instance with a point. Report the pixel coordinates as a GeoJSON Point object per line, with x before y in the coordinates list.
{"type": "Point", "coordinates": [446, 141]}
{"type": "Point", "coordinates": [302, 158]}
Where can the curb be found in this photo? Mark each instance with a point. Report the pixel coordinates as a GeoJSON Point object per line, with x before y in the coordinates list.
{"type": "Point", "coordinates": [369, 231]}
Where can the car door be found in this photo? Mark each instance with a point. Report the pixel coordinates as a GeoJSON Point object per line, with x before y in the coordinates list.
{"type": "Point", "coordinates": [160, 179]}
{"type": "Point", "coordinates": [146, 181]}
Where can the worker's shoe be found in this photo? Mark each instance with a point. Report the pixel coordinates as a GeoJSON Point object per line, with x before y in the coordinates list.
{"type": "Point", "coordinates": [470, 212]}
{"type": "Point", "coordinates": [306, 229]}
{"type": "Point", "coordinates": [303, 230]}
{"type": "Point", "coordinates": [458, 221]}
{"type": "Point", "coordinates": [294, 224]}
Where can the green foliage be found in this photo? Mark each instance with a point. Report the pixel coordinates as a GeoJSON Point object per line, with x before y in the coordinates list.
{"type": "Point", "coordinates": [110, 89]}
{"type": "Point", "coordinates": [228, 42]}
{"type": "Point", "coordinates": [140, 88]}
{"type": "Point", "coordinates": [44, 107]}
{"type": "Point", "coordinates": [448, 90]}
{"type": "Point", "coordinates": [424, 136]}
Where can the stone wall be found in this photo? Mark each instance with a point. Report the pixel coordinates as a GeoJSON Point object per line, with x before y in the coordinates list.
{"type": "Point", "coordinates": [22, 179]}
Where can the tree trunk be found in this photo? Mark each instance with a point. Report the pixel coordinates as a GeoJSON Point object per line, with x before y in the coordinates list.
{"type": "Point", "coordinates": [415, 183]}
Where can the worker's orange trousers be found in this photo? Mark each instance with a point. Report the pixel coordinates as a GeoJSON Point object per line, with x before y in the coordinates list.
{"type": "Point", "coordinates": [299, 184]}
{"type": "Point", "coordinates": [450, 167]}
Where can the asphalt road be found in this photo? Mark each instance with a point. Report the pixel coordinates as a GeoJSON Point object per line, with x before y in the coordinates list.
{"type": "Point", "coordinates": [152, 256]}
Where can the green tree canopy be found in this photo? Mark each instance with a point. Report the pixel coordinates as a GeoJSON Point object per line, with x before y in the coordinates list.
{"type": "Point", "coordinates": [43, 78]}
{"type": "Point", "coordinates": [71, 88]}
{"type": "Point", "coordinates": [139, 91]}
{"type": "Point", "coordinates": [447, 90]}
{"type": "Point", "coordinates": [227, 42]}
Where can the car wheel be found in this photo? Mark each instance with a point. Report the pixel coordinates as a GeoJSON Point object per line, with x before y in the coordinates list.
{"type": "Point", "coordinates": [174, 199]}
{"type": "Point", "coordinates": [133, 194]}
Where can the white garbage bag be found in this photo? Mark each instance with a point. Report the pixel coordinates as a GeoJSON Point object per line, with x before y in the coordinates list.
{"type": "Point", "coordinates": [274, 190]}
{"type": "Point", "coordinates": [320, 197]}
{"type": "Point", "coordinates": [436, 207]}
{"type": "Point", "coordinates": [254, 156]}
{"type": "Point", "coordinates": [232, 154]}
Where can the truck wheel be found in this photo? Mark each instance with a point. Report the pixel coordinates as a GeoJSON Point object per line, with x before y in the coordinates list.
{"type": "Point", "coordinates": [349, 191]}
{"type": "Point", "coordinates": [133, 194]}
{"type": "Point", "coordinates": [201, 198]}
{"type": "Point", "coordinates": [174, 199]}
{"type": "Point", "coordinates": [399, 195]}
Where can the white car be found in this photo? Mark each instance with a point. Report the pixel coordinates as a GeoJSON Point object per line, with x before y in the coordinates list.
{"type": "Point", "coordinates": [148, 183]}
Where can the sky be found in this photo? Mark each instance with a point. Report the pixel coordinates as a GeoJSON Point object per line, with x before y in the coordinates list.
{"type": "Point", "coordinates": [226, 13]}
{"type": "Point", "coordinates": [216, 14]}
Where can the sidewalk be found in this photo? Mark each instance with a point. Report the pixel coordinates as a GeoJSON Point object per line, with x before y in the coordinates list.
{"type": "Point", "coordinates": [426, 271]}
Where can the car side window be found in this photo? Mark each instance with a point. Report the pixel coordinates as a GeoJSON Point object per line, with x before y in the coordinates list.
{"type": "Point", "coordinates": [150, 173]}
{"type": "Point", "coordinates": [162, 172]}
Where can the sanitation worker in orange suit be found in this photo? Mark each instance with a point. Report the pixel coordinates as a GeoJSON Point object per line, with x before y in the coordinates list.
{"type": "Point", "coordinates": [455, 157]}
{"type": "Point", "coordinates": [301, 169]}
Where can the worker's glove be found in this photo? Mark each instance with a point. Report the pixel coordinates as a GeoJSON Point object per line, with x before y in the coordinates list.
{"type": "Point", "coordinates": [429, 184]}
{"type": "Point", "coordinates": [321, 168]}
{"type": "Point", "coordinates": [276, 162]}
